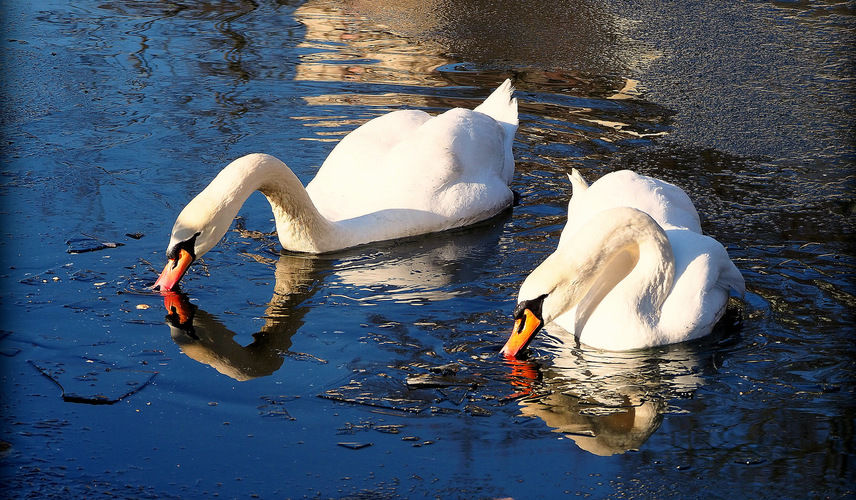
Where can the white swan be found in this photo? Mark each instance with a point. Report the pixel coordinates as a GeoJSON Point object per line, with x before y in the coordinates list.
{"type": "Point", "coordinates": [631, 270]}
{"type": "Point", "coordinates": [401, 174]}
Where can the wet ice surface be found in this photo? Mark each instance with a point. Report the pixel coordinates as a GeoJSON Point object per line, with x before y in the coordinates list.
{"type": "Point", "coordinates": [374, 371]}
{"type": "Point", "coordinates": [94, 383]}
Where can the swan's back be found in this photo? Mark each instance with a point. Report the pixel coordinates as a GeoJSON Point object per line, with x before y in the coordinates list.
{"type": "Point", "coordinates": [455, 166]}
{"type": "Point", "coordinates": [666, 203]}
{"type": "Point", "coordinates": [351, 173]}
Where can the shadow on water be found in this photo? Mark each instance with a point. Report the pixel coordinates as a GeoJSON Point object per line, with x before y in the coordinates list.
{"type": "Point", "coordinates": [612, 402]}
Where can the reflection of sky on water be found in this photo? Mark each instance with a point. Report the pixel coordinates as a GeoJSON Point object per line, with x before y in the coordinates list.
{"type": "Point", "coordinates": [122, 110]}
{"type": "Point", "coordinates": [340, 45]}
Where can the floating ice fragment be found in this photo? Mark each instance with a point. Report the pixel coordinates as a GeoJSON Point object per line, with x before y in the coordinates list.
{"type": "Point", "coordinates": [89, 244]}
{"type": "Point", "coordinates": [355, 446]}
{"type": "Point", "coordinates": [94, 382]}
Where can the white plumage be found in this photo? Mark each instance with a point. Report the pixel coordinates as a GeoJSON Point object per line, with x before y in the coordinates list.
{"type": "Point", "coordinates": [631, 270]}
{"type": "Point", "coordinates": [402, 174]}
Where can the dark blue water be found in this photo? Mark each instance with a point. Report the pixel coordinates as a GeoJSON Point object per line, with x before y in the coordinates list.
{"type": "Point", "coordinates": [372, 373]}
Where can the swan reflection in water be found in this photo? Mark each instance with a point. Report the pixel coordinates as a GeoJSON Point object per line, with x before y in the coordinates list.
{"type": "Point", "coordinates": [204, 338]}
{"type": "Point", "coordinates": [609, 402]}
{"type": "Point", "coordinates": [432, 268]}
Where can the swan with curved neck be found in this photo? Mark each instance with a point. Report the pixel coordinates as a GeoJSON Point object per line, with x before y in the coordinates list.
{"type": "Point", "coordinates": [402, 174]}
{"type": "Point", "coordinates": [619, 280]}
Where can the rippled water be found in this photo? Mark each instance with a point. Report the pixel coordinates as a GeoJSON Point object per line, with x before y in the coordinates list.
{"type": "Point", "coordinates": [373, 372]}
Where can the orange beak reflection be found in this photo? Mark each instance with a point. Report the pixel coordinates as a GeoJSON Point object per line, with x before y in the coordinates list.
{"type": "Point", "coordinates": [524, 330]}
{"type": "Point", "coordinates": [176, 304]}
{"type": "Point", "coordinates": [524, 377]}
{"type": "Point", "coordinates": [174, 270]}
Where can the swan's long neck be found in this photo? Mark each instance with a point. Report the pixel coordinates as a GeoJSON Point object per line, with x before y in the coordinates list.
{"type": "Point", "coordinates": [301, 227]}
{"type": "Point", "coordinates": [299, 224]}
{"type": "Point", "coordinates": [621, 252]}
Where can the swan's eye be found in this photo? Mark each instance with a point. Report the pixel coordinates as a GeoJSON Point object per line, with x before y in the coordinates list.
{"type": "Point", "coordinates": [519, 310]}
{"type": "Point", "coordinates": [187, 245]}
{"type": "Point", "coordinates": [533, 305]}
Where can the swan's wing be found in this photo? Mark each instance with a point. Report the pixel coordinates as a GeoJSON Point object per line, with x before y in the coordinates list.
{"type": "Point", "coordinates": [703, 275]}
{"type": "Point", "coordinates": [409, 160]}
{"type": "Point", "coordinates": [356, 168]}
{"type": "Point", "coordinates": [666, 203]}
{"type": "Point", "coordinates": [458, 164]}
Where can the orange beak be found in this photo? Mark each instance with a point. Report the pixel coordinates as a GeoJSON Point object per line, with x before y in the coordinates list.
{"type": "Point", "coordinates": [524, 331]}
{"type": "Point", "coordinates": [174, 270]}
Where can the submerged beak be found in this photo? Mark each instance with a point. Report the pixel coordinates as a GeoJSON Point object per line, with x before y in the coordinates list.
{"type": "Point", "coordinates": [525, 328]}
{"type": "Point", "coordinates": [174, 270]}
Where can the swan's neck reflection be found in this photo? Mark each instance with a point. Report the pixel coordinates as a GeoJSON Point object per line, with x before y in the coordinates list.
{"type": "Point", "coordinates": [606, 402]}
{"type": "Point", "coordinates": [204, 338]}
{"type": "Point", "coordinates": [428, 268]}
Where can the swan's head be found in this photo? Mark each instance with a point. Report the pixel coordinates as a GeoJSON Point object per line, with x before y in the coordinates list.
{"type": "Point", "coordinates": [547, 292]}
{"type": "Point", "coordinates": [535, 306]}
{"type": "Point", "coordinates": [553, 288]}
{"type": "Point", "coordinates": [528, 320]}
{"type": "Point", "coordinates": [179, 257]}
{"type": "Point", "coordinates": [557, 285]}
{"type": "Point", "coordinates": [197, 229]}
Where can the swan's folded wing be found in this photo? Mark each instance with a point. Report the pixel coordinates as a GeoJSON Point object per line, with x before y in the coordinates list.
{"type": "Point", "coordinates": [356, 169]}
{"type": "Point", "coordinates": [455, 165]}
{"type": "Point", "coordinates": [666, 203]}
{"type": "Point", "coordinates": [703, 275]}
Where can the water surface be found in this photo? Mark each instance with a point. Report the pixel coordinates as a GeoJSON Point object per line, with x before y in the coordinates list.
{"type": "Point", "coordinates": [373, 372]}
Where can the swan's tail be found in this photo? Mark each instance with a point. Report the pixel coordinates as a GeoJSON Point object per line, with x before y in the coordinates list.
{"type": "Point", "coordinates": [502, 107]}
{"type": "Point", "coordinates": [578, 183]}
